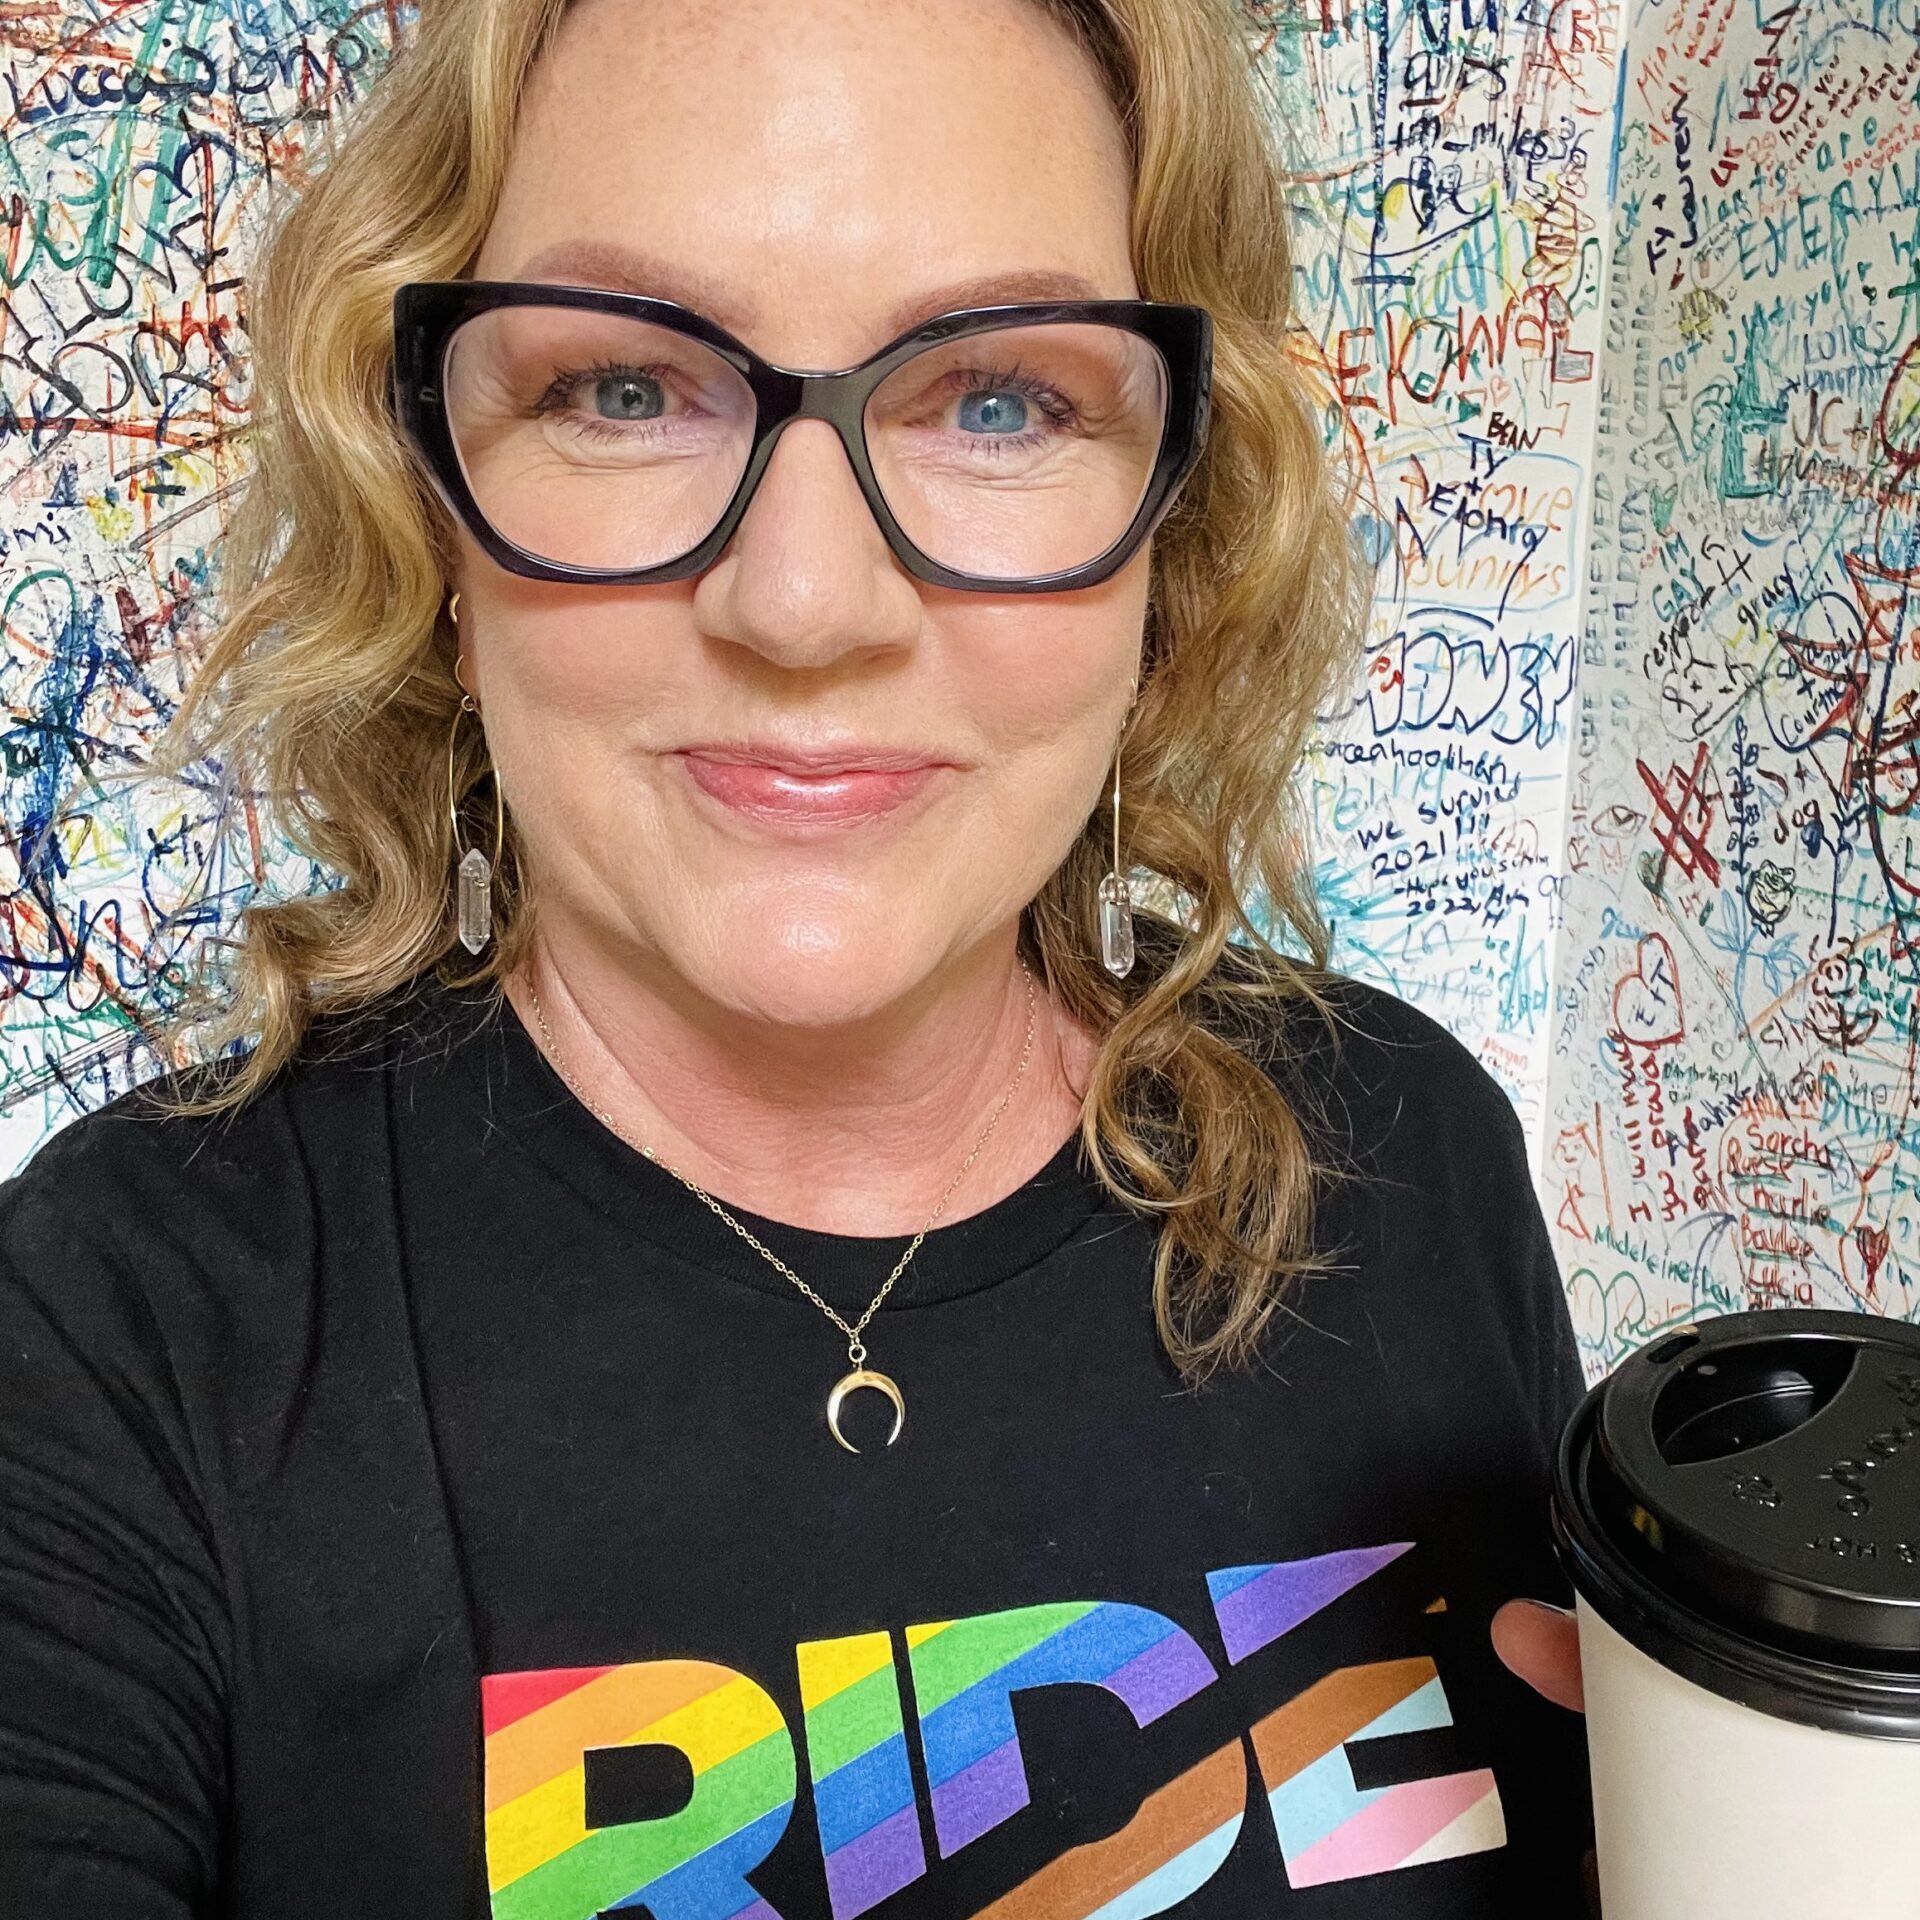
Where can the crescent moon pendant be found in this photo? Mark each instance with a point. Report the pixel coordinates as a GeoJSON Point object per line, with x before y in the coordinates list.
{"type": "Point", "coordinates": [851, 1383]}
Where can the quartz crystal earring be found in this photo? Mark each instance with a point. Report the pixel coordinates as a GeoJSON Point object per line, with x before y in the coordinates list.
{"type": "Point", "coordinates": [475, 871]}
{"type": "Point", "coordinates": [1116, 903]}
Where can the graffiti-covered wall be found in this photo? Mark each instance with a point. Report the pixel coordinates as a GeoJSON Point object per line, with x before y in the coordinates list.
{"type": "Point", "coordinates": [1732, 1072]}
{"type": "Point", "coordinates": [1451, 161]}
{"type": "Point", "coordinates": [139, 147]}
{"type": "Point", "coordinates": [1613, 312]}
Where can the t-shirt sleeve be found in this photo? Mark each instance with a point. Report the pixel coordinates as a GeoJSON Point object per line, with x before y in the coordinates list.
{"type": "Point", "coordinates": [1554, 1381]}
{"type": "Point", "coordinates": [1526, 1326]}
{"type": "Point", "coordinates": [112, 1619]}
{"type": "Point", "coordinates": [1415, 1109]}
{"type": "Point", "coordinates": [1458, 1290]}
{"type": "Point", "coordinates": [1524, 1317]}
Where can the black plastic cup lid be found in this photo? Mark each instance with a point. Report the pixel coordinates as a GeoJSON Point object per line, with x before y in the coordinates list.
{"type": "Point", "coordinates": [1740, 1499]}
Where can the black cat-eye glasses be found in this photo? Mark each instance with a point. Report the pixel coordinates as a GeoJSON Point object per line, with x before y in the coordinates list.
{"type": "Point", "coordinates": [584, 435]}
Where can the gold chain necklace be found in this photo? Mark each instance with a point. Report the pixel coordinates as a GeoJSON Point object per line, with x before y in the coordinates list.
{"type": "Point", "coordinates": [860, 1375]}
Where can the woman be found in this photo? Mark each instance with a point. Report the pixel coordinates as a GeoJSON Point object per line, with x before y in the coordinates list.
{"type": "Point", "coordinates": [671, 1417]}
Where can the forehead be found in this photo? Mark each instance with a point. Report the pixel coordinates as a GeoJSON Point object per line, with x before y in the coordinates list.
{"type": "Point", "coordinates": [817, 177]}
{"type": "Point", "coordinates": [629, 269]}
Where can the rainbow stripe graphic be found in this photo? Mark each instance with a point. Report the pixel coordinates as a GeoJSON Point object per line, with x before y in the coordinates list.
{"type": "Point", "coordinates": [1256, 1605]}
{"type": "Point", "coordinates": [545, 1863]}
{"type": "Point", "coordinates": [1175, 1843]}
{"type": "Point", "coordinates": [862, 1783]}
{"type": "Point", "coordinates": [1331, 1829]}
{"type": "Point", "coordinates": [964, 1672]}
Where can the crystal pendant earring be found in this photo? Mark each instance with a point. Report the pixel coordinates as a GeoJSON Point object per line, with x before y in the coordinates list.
{"type": "Point", "coordinates": [1116, 903]}
{"type": "Point", "coordinates": [474, 873]}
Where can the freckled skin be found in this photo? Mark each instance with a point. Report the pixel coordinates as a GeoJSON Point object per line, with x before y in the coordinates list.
{"type": "Point", "coordinates": [824, 162]}
{"type": "Point", "coordinates": [816, 1028]}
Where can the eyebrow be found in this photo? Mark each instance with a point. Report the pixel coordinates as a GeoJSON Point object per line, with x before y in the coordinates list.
{"type": "Point", "coordinates": [622, 269]}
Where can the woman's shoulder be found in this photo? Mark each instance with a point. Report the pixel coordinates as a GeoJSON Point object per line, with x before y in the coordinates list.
{"type": "Point", "coordinates": [1385, 1052]}
{"type": "Point", "coordinates": [1396, 1111]}
{"type": "Point", "coordinates": [159, 1182]}
{"type": "Point", "coordinates": [1369, 1068]}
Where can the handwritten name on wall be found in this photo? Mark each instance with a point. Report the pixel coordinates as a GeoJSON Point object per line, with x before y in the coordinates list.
{"type": "Point", "coordinates": [1450, 166]}
{"type": "Point", "coordinates": [1613, 312]}
{"type": "Point", "coordinates": [1733, 1042]}
{"type": "Point", "coordinates": [138, 149]}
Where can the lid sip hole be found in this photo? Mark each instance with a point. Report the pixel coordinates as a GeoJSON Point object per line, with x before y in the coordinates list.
{"type": "Point", "coordinates": [1746, 1397]}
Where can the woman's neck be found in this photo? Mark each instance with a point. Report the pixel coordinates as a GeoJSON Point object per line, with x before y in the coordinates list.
{"type": "Point", "coordinates": [855, 1130]}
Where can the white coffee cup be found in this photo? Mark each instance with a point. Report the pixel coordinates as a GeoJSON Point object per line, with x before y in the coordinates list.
{"type": "Point", "coordinates": [1704, 1808]}
{"type": "Point", "coordinates": [1738, 1507]}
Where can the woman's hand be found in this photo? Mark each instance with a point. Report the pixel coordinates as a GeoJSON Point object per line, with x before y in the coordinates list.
{"type": "Point", "coordinates": [1541, 1644]}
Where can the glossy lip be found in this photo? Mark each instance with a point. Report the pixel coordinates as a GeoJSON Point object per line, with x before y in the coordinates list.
{"type": "Point", "coordinates": [851, 757]}
{"type": "Point", "coordinates": [799, 790]}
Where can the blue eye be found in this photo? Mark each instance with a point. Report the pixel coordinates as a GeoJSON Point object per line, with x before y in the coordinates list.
{"type": "Point", "coordinates": [1004, 412]}
{"type": "Point", "coordinates": [628, 391]}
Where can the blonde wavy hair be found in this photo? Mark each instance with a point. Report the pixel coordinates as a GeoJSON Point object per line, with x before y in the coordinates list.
{"type": "Point", "coordinates": [327, 691]}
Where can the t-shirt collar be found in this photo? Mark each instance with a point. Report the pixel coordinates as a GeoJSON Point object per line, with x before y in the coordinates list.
{"type": "Point", "coordinates": [527, 1105]}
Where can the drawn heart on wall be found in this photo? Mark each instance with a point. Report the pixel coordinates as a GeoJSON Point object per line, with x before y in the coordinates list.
{"type": "Point", "coordinates": [1646, 1002]}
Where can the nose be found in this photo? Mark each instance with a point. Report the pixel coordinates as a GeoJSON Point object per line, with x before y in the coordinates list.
{"type": "Point", "coordinates": [808, 578]}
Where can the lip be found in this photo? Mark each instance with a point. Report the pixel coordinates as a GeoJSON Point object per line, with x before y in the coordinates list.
{"type": "Point", "coordinates": [792, 788]}
{"type": "Point", "coordinates": [850, 757]}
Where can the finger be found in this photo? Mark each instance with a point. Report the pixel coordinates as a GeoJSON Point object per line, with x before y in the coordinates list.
{"type": "Point", "coordinates": [1542, 1645]}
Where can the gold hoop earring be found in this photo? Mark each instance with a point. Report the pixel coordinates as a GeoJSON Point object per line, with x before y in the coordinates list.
{"type": "Point", "coordinates": [474, 891]}
{"type": "Point", "coordinates": [1116, 902]}
{"type": "Point", "coordinates": [453, 609]}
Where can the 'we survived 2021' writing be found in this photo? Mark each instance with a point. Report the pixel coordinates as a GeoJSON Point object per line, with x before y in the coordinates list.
{"type": "Point", "coordinates": [543, 1729]}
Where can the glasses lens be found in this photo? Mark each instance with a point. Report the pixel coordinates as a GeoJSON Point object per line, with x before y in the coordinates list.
{"type": "Point", "coordinates": [599, 441]}
{"type": "Point", "coordinates": [1021, 450]}
{"type": "Point", "coordinates": [592, 439]}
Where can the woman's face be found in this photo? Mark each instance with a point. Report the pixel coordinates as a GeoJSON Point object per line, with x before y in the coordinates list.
{"type": "Point", "coordinates": [802, 174]}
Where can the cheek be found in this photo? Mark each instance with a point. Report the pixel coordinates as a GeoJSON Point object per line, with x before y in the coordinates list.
{"type": "Point", "coordinates": [568, 699]}
{"type": "Point", "coordinates": [563, 651]}
{"type": "Point", "coordinates": [583, 695]}
{"type": "Point", "coordinates": [1050, 714]}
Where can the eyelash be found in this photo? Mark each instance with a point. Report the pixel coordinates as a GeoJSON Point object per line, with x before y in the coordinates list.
{"type": "Point", "coordinates": [1052, 403]}
{"type": "Point", "coordinates": [1057, 407]}
{"type": "Point", "coordinates": [568, 378]}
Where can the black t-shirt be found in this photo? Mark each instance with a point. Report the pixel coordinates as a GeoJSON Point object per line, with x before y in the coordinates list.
{"type": "Point", "coordinates": [414, 1502]}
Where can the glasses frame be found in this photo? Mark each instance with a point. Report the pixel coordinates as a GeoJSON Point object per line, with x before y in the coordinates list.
{"type": "Point", "coordinates": [427, 312]}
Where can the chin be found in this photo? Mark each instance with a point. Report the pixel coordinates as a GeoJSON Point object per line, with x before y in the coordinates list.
{"type": "Point", "coordinates": [813, 972]}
